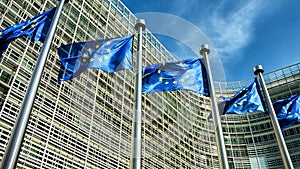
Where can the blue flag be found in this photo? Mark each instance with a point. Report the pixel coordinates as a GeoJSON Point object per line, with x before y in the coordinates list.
{"type": "Point", "coordinates": [287, 111]}
{"type": "Point", "coordinates": [109, 55]}
{"type": "Point", "coordinates": [244, 101]}
{"type": "Point", "coordinates": [189, 74]}
{"type": "Point", "coordinates": [35, 29]}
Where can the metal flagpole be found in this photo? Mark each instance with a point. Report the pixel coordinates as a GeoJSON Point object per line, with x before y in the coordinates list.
{"type": "Point", "coordinates": [258, 70]}
{"type": "Point", "coordinates": [10, 157]}
{"type": "Point", "coordinates": [204, 51]}
{"type": "Point", "coordinates": [137, 130]}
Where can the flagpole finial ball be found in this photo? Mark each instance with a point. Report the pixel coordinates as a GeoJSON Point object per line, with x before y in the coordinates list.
{"type": "Point", "coordinates": [258, 69]}
{"type": "Point", "coordinates": [204, 48]}
{"type": "Point", "coordinates": [140, 23]}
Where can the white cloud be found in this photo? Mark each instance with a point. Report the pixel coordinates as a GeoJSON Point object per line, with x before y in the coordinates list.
{"type": "Point", "coordinates": [229, 25]}
{"type": "Point", "coordinates": [231, 29]}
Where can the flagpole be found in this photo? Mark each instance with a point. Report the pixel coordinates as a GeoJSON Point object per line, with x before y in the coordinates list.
{"type": "Point", "coordinates": [258, 70]}
{"type": "Point", "coordinates": [12, 151]}
{"type": "Point", "coordinates": [137, 130]}
{"type": "Point", "coordinates": [204, 51]}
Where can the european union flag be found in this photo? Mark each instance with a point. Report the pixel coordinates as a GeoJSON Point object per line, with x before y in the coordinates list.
{"type": "Point", "coordinates": [189, 74]}
{"type": "Point", "coordinates": [287, 111]}
{"type": "Point", "coordinates": [35, 29]}
{"type": "Point", "coordinates": [109, 55]}
{"type": "Point", "coordinates": [244, 101]}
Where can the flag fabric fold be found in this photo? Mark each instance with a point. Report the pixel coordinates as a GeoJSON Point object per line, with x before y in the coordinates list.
{"type": "Point", "coordinates": [245, 101]}
{"type": "Point", "coordinates": [35, 29]}
{"type": "Point", "coordinates": [109, 55]}
{"type": "Point", "coordinates": [287, 111]}
{"type": "Point", "coordinates": [189, 74]}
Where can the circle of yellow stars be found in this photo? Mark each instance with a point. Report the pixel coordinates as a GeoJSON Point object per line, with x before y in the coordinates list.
{"type": "Point", "coordinates": [244, 100]}
{"type": "Point", "coordinates": [296, 114]}
{"type": "Point", "coordinates": [33, 24]}
{"type": "Point", "coordinates": [85, 56]}
{"type": "Point", "coordinates": [182, 80]}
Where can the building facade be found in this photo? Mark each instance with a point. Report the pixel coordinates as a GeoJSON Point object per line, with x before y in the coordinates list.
{"type": "Point", "coordinates": [87, 122]}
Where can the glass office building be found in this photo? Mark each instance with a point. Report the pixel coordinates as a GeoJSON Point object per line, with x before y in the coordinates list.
{"type": "Point", "coordinates": [87, 122]}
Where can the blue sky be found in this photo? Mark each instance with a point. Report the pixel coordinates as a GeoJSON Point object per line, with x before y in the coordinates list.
{"type": "Point", "coordinates": [242, 33]}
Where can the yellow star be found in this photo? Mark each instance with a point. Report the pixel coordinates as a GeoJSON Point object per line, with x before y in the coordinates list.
{"type": "Point", "coordinates": [182, 80]}
{"type": "Point", "coordinates": [175, 82]}
{"type": "Point", "coordinates": [108, 50]}
{"type": "Point", "coordinates": [108, 42]}
{"type": "Point", "coordinates": [23, 27]}
{"type": "Point", "coordinates": [245, 100]}
{"type": "Point", "coordinates": [0, 33]}
{"type": "Point", "coordinates": [100, 60]}
{"type": "Point", "coordinates": [160, 79]}
{"type": "Point", "coordinates": [187, 76]}
{"type": "Point", "coordinates": [33, 25]}
{"type": "Point", "coordinates": [84, 55]}
{"type": "Point", "coordinates": [158, 71]}
{"type": "Point", "coordinates": [164, 64]}
{"type": "Point", "coordinates": [166, 82]}
{"type": "Point", "coordinates": [291, 102]}
{"type": "Point", "coordinates": [91, 59]}
{"type": "Point", "coordinates": [240, 104]}
{"type": "Point", "coordinates": [296, 114]}
{"type": "Point", "coordinates": [89, 49]}
{"type": "Point", "coordinates": [84, 60]}
{"type": "Point", "coordinates": [235, 105]}
{"type": "Point", "coordinates": [180, 63]}
{"type": "Point", "coordinates": [97, 46]}
{"type": "Point", "coordinates": [289, 113]}
{"type": "Point", "coordinates": [245, 95]}
{"type": "Point", "coordinates": [105, 57]}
